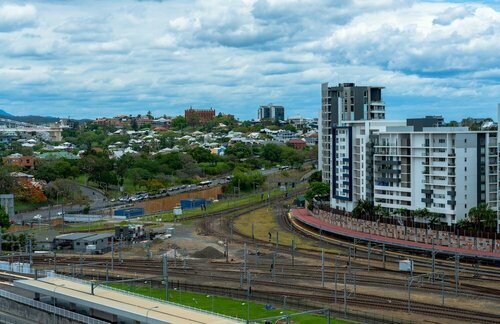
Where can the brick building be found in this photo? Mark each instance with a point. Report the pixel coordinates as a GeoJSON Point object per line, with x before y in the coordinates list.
{"type": "Point", "coordinates": [297, 143]}
{"type": "Point", "coordinates": [198, 116]}
{"type": "Point", "coordinates": [19, 161]}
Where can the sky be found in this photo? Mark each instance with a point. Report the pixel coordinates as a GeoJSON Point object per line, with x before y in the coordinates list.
{"type": "Point", "coordinates": [88, 59]}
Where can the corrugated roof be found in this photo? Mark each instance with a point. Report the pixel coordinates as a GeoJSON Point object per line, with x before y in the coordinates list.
{"type": "Point", "coordinates": [97, 237]}
{"type": "Point", "coordinates": [73, 236]}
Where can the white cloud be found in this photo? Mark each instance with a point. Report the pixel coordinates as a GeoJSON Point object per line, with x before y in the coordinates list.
{"type": "Point", "coordinates": [121, 56]}
{"type": "Point", "coordinates": [15, 17]}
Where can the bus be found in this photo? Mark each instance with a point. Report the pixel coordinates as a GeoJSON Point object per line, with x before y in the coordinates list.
{"type": "Point", "coordinates": [205, 183]}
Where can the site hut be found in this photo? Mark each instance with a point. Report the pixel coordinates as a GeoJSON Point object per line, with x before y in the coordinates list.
{"type": "Point", "coordinates": [69, 241]}
{"type": "Point", "coordinates": [129, 232]}
{"type": "Point", "coordinates": [100, 243]}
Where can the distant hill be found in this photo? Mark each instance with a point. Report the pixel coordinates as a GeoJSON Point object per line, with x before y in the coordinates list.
{"type": "Point", "coordinates": [4, 113]}
{"type": "Point", "coordinates": [35, 119]}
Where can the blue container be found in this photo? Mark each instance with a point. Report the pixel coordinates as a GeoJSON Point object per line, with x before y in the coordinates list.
{"type": "Point", "coordinates": [129, 212]}
{"type": "Point", "coordinates": [192, 203]}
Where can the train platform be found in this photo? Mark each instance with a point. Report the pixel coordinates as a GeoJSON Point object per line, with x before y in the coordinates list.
{"type": "Point", "coordinates": [116, 306]}
{"type": "Point", "coordinates": [302, 215]}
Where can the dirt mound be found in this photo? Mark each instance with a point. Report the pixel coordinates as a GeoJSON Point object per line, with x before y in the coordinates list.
{"type": "Point", "coordinates": [208, 253]}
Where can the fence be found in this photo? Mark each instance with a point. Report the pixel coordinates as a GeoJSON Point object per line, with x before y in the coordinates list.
{"type": "Point", "coordinates": [140, 296]}
{"type": "Point", "coordinates": [49, 308]}
{"type": "Point", "coordinates": [400, 229]}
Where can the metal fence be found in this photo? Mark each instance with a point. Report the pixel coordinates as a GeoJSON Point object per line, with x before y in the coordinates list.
{"type": "Point", "coordinates": [49, 308]}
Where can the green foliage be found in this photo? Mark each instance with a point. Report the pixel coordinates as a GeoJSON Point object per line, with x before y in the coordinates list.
{"type": "Point", "coordinates": [178, 123]}
{"type": "Point", "coordinates": [315, 177]}
{"type": "Point", "coordinates": [7, 183]}
{"type": "Point", "coordinates": [482, 217]}
{"type": "Point", "coordinates": [239, 151]}
{"type": "Point", "coordinates": [202, 155]}
{"type": "Point", "coordinates": [317, 190]}
{"type": "Point", "coordinates": [64, 191]}
{"type": "Point", "coordinates": [246, 180]}
{"type": "Point", "coordinates": [290, 127]}
{"type": "Point", "coordinates": [52, 169]}
{"type": "Point", "coordinates": [4, 219]}
{"type": "Point", "coordinates": [364, 208]}
{"type": "Point", "coordinates": [271, 152]}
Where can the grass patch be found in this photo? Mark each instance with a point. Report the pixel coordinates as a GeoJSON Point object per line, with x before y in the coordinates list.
{"type": "Point", "coordinates": [265, 222]}
{"type": "Point", "coordinates": [223, 305]}
{"type": "Point", "coordinates": [218, 206]}
{"type": "Point", "coordinates": [20, 206]}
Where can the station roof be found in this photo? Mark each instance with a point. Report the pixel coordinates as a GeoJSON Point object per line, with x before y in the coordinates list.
{"type": "Point", "coordinates": [125, 305]}
{"type": "Point", "coordinates": [73, 236]}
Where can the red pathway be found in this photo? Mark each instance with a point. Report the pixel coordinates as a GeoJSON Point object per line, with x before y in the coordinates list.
{"type": "Point", "coordinates": [302, 215]}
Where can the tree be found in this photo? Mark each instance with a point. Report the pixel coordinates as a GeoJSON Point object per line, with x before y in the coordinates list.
{"type": "Point", "coordinates": [134, 125]}
{"type": "Point", "coordinates": [364, 208]}
{"type": "Point", "coordinates": [315, 177]}
{"type": "Point", "coordinates": [7, 183]}
{"type": "Point", "coordinates": [318, 190]}
{"type": "Point", "coordinates": [239, 151]}
{"type": "Point", "coordinates": [178, 123]}
{"type": "Point", "coordinates": [290, 127]}
{"type": "Point", "coordinates": [482, 216]}
{"type": "Point", "coordinates": [246, 180]}
{"type": "Point", "coordinates": [271, 152]}
{"type": "Point", "coordinates": [4, 219]}
{"type": "Point", "coordinates": [202, 155]}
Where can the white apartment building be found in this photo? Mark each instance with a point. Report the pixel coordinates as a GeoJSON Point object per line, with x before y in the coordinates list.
{"type": "Point", "coordinates": [446, 170]}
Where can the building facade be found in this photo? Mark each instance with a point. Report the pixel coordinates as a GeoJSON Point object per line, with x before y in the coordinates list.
{"type": "Point", "coordinates": [414, 165]}
{"type": "Point", "coordinates": [198, 116]}
{"type": "Point", "coordinates": [271, 112]}
{"type": "Point", "coordinates": [345, 102]}
{"type": "Point", "coordinates": [19, 160]}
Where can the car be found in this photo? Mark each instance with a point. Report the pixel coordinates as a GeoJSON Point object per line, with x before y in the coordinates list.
{"type": "Point", "coordinates": [60, 213]}
{"type": "Point", "coordinates": [37, 217]}
{"type": "Point", "coordinates": [262, 169]}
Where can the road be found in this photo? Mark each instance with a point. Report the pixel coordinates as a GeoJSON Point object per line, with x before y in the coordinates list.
{"type": "Point", "coordinates": [96, 198]}
{"type": "Point", "coordinates": [99, 201]}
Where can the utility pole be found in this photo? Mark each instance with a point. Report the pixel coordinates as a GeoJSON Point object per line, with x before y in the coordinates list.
{"type": "Point", "coordinates": [165, 274]}
{"type": "Point", "coordinates": [226, 251]}
{"type": "Point", "coordinates": [245, 258]}
{"type": "Point", "coordinates": [349, 263]}
{"type": "Point", "coordinates": [433, 259]}
{"type": "Point", "coordinates": [383, 255]}
{"type": "Point", "coordinates": [335, 278]}
{"type": "Point", "coordinates": [457, 272]}
{"type": "Point", "coordinates": [112, 253]}
{"type": "Point", "coordinates": [323, 268]}
{"type": "Point", "coordinates": [369, 253]}
{"type": "Point", "coordinates": [31, 251]}
{"type": "Point", "coordinates": [120, 250]}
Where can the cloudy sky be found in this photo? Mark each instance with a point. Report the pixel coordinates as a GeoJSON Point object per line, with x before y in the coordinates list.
{"type": "Point", "coordinates": [103, 58]}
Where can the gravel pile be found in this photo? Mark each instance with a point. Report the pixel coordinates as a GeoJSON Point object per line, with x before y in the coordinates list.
{"type": "Point", "coordinates": [208, 253]}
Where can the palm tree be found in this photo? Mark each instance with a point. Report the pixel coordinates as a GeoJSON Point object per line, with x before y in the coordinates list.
{"type": "Point", "coordinates": [482, 216]}
{"type": "Point", "coordinates": [363, 208]}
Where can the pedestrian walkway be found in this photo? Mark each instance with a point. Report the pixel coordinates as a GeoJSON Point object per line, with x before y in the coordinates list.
{"type": "Point", "coordinates": [302, 215]}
